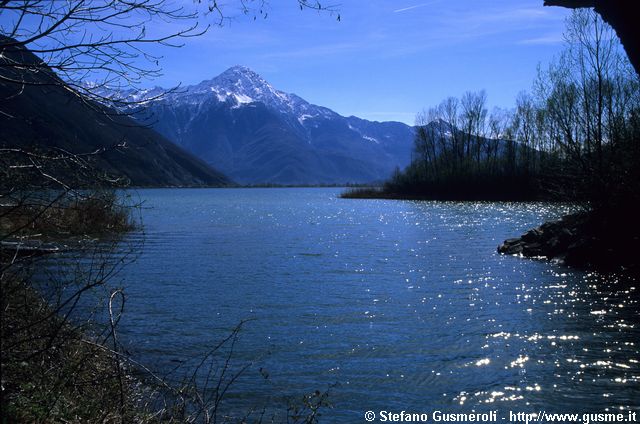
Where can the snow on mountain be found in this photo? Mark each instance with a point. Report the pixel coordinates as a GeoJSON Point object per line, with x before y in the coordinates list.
{"type": "Point", "coordinates": [237, 85]}
{"type": "Point", "coordinates": [255, 133]}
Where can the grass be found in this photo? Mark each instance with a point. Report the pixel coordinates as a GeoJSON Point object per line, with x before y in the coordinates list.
{"type": "Point", "coordinates": [57, 216]}
{"type": "Point", "coordinates": [52, 372]}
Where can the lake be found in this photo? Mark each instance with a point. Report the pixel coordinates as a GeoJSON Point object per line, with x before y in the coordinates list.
{"type": "Point", "coordinates": [388, 305]}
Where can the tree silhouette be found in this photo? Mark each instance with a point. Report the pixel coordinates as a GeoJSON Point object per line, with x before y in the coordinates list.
{"type": "Point", "coordinates": [622, 15]}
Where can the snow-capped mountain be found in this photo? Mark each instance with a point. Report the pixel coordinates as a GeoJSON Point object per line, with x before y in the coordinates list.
{"type": "Point", "coordinates": [242, 125]}
{"type": "Point", "coordinates": [237, 86]}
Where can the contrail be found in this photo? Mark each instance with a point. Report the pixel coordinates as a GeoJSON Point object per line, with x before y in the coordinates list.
{"type": "Point", "coordinates": [412, 7]}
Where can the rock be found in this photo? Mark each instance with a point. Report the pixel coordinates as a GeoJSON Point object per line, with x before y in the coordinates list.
{"type": "Point", "coordinates": [582, 240]}
{"type": "Point", "coordinates": [512, 246]}
{"type": "Point", "coordinates": [533, 250]}
{"type": "Point", "coordinates": [533, 235]}
{"type": "Point", "coordinates": [560, 240]}
{"type": "Point", "coordinates": [554, 247]}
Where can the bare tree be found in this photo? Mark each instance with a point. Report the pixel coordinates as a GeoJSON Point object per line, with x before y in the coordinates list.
{"type": "Point", "coordinates": [474, 115]}
{"type": "Point", "coordinates": [524, 130]}
{"type": "Point", "coordinates": [622, 15]}
{"type": "Point", "coordinates": [590, 98]}
{"type": "Point", "coordinates": [105, 41]}
{"type": "Point", "coordinates": [429, 141]}
{"type": "Point", "coordinates": [86, 40]}
{"type": "Point", "coordinates": [450, 112]}
{"type": "Point", "coordinates": [498, 122]}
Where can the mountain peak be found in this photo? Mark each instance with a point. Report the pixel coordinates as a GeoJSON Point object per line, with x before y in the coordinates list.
{"type": "Point", "coordinates": [242, 77]}
{"type": "Point", "coordinates": [240, 85]}
{"type": "Point", "coordinates": [243, 85]}
{"type": "Point", "coordinates": [239, 69]}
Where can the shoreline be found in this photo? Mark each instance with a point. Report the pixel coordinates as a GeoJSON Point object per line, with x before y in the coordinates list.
{"type": "Point", "coordinates": [380, 193]}
{"type": "Point", "coordinates": [584, 240]}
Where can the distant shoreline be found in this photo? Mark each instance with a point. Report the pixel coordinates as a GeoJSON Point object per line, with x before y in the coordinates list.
{"type": "Point", "coordinates": [252, 186]}
{"type": "Point", "coordinates": [381, 193]}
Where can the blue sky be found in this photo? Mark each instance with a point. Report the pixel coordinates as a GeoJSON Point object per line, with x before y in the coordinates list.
{"type": "Point", "coordinates": [385, 59]}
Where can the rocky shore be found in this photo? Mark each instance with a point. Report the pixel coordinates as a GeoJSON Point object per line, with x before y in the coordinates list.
{"type": "Point", "coordinates": [581, 240]}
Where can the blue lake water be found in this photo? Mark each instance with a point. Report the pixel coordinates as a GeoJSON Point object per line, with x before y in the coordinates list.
{"type": "Point", "coordinates": [391, 305]}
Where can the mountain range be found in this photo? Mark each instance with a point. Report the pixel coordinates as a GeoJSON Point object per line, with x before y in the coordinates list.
{"type": "Point", "coordinates": [38, 114]}
{"type": "Point", "coordinates": [235, 126]}
{"type": "Point", "coordinates": [241, 125]}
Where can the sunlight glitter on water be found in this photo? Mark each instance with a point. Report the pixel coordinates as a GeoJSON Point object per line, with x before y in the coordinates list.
{"type": "Point", "coordinates": [402, 304]}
